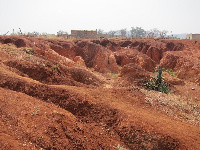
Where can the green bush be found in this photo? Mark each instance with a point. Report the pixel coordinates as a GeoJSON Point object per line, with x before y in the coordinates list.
{"type": "Point", "coordinates": [157, 83]}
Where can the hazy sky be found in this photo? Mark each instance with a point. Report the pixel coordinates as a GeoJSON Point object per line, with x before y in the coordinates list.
{"type": "Point", "coordinates": [178, 16]}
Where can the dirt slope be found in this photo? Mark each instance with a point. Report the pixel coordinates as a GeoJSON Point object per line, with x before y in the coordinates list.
{"type": "Point", "coordinates": [88, 94]}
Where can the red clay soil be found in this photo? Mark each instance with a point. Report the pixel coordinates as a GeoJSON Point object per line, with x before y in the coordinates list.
{"type": "Point", "coordinates": [86, 94]}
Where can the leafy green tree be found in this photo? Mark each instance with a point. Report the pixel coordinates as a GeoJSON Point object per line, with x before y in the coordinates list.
{"type": "Point", "coordinates": [137, 32]}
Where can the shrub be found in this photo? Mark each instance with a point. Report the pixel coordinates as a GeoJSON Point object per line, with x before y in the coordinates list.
{"type": "Point", "coordinates": [157, 83]}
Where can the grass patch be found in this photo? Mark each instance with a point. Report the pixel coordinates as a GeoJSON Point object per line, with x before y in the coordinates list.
{"type": "Point", "coordinates": [113, 75]}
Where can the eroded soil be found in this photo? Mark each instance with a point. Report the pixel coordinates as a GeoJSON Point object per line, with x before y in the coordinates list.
{"type": "Point", "coordinates": [88, 94]}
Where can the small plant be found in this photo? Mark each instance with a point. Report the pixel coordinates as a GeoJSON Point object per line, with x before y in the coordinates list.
{"type": "Point", "coordinates": [54, 67]}
{"type": "Point", "coordinates": [120, 67]}
{"type": "Point", "coordinates": [119, 147]}
{"type": "Point", "coordinates": [41, 63]}
{"type": "Point", "coordinates": [29, 51]}
{"type": "Point", "coordinates": [170, 72]}
{"type": "Point", "coordinates": [36, 111]}
{"type": "Point", "coordinates": [158, 83]}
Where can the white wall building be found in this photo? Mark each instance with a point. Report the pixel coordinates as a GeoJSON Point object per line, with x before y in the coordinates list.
{"type": "Point", "coordinates": [193, 36]}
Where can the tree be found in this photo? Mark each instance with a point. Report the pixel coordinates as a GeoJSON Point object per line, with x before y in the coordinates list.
{"type": "Point", "coordinates": [20, 31]}
{"type": "Point", "coordinates": [111, 34]}
{"type": "Point", "coordinates": [44, 33]}
{"type": "Point", "coordinates": [60, 32]}
{"type": "Point", "coordinates": [123, 32]}
{"type": "Point", "coordinates": [36, 33]}
{"type": "Point", "coordinates": [153, 33]}
{"type": "Point", "coordinates": [137, 32]}
{"type": "Point", "coordinates": [100, 31]}
{"type": "Point", "coordinates": [163, 33]}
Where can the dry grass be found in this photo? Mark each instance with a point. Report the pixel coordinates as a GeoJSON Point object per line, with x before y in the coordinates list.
{"type": "Point", "coordinates": [58, 38]}
{"type": "Point", "coordinates": [113, 75]}
{"type": "Point", "coordinates": [174, 105]}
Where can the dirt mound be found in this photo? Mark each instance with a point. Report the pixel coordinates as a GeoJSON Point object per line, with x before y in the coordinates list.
{"type": "Point", "coordinates": [18, 42]}
{"type": "Point", "coordinates": [126, 44]}
{"type": "Point", "coordinates": [154, 48]}
{"type": "Point", "coordinates": [126, 56]}
{"type": "Point", "coordinates": [166, 143]}
{"type": "Point", "coordinates": [79, 61]}
{"type": "Point", "coordinates": [135, 71]}
{"type": "Point", "coordinates": [59, 128]}
{"type": "Point", "coordinates": [43, 72]}
{"type": "Point", "coordinates": [169, 60]}
{"type": "Point", "coordinates": [171, 46]}
{"type": "Point", "coordinates": [84, 76]}
{"type": "Point", "coordinates": [134, 44]}
{"type": "Point", "coordinates": [185, 66]}
{"type": "Point", "coordinates": [97, 57]}
{"type": "Point", "coordinates": [62, 48]}
{"type": "Point", "coordinates": [132, 74]}
{"type": "Point", "coordinates": [51, 73]}
{"type": "Point", "coordinates": [4, 56]}
{"type": "Point", "coordinates": [7, 40]}
{"type": "Point", "coordinates": [109, 44]}
{"type": "Point", "coordinates": [172, 80]}
{"type": "Point", "coordinates": [21, 41]}
{"type": "Point", "coordinates": [54, 56]}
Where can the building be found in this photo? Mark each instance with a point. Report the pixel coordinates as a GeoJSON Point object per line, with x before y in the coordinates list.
{"type": "Point", "coordinates": [193, 36]}
{"type": "Point", "coordinates": [84, 34]}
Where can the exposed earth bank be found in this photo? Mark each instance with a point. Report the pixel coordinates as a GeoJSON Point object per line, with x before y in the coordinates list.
{"type": "Point", "coordinates": [90, 94]}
